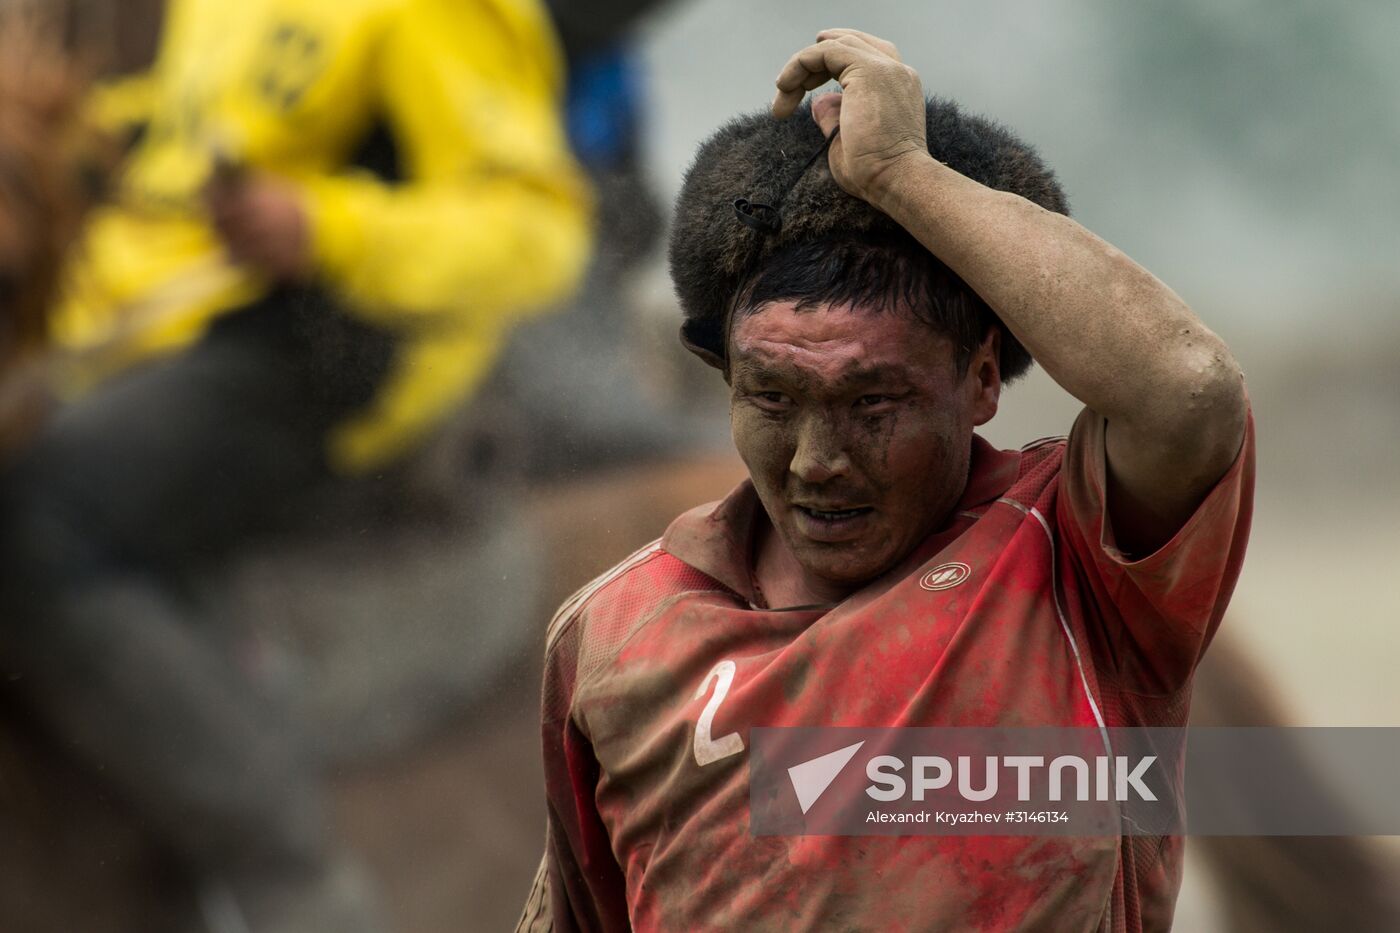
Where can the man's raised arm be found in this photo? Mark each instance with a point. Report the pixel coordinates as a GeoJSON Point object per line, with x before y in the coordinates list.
{"type": "Point", "coordinates": [1103, 327]}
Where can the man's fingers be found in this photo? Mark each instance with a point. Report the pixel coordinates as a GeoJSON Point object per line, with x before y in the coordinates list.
{"type": "Point", "coordinates": [234, 228]}
{"type": "Point", "coordinates": [247, 246]}
{"type": "Point", "coordinates": [227, 209]}
{"type": "Point", "coordinates": [875, 42]}
{"type": "Point", "coordinates": [227, 205]}
{"type": "Point", "coordinates": [827, 59]}
{"type": "Point", "coordinates": [813, 67]}
{"type": "Point", "coordinates": [826, 110]}
{"type": "Point", "coordinates": [235, 223]}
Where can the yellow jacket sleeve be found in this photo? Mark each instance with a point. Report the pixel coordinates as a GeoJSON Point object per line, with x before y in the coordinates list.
{"type": "Point", "coordinates": [123, 105]}
{"type": "Point", "coordinates": [493, 218]}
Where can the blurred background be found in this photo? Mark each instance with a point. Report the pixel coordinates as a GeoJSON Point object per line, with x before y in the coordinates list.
{"type": "Point", "coordinates": [390, 620]}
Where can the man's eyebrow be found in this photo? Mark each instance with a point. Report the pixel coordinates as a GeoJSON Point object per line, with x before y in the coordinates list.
{"type": "Point", "coordinates": [751, 367]}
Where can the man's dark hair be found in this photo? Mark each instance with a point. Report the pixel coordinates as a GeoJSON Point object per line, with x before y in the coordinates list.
{"type": "Point", "coordinates": [831, 247]}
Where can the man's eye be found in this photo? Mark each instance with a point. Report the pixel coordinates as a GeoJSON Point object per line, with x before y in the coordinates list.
{"type": "Point", "coordinates": [871, 401]}
{"type": "Point", "coordinates": [772, 401]}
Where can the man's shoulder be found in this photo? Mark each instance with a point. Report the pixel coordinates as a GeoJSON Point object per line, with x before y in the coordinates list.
{"type": "Point", "coordinates": [1043, 446]}
{"type": "Point", "coordinates": [1037, 469]}
{"type": "Point", "coordinates": [605, 611]}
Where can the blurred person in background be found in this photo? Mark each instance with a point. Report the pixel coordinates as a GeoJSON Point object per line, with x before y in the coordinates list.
{"type": "Point", "coordinates": [568, 377]}
{"type": "Point", "coordinates": [328, 218]}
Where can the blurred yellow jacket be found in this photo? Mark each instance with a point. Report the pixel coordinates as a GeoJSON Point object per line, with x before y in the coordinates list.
{"type": "Point", "coordinates": [489, 222]}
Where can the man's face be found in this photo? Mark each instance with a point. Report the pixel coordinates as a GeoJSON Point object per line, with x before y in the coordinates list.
{"type": "Point", "coordinates": [857, 430]}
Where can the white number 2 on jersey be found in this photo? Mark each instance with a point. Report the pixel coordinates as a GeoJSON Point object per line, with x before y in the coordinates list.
{"type": "Point", "coordinates": [707, 749]}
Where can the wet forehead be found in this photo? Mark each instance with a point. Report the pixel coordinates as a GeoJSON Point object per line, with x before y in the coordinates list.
{"type": "Point", "coordinates": [837, 346]}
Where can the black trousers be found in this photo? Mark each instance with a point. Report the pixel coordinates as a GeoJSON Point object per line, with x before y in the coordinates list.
{"type": "Point", "coordinates": [161, 471]}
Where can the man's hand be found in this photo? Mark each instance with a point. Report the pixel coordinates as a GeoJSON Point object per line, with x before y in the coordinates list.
{"type": "Point", "coordinates": [262, 222]}
{"type": "Point", "coordinates": [1103, 327]}
{"type": "Point", "coordinates": [880, 109]}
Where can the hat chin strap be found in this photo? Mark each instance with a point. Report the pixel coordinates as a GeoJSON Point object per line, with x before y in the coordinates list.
{"type": "Point", "coordinates": [761, 217]}
{"type": "Point", "coordinates": [767, 218]}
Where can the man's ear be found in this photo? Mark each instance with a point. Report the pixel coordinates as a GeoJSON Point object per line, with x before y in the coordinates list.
{"type": "Point", "coordinates": [710, 357]}
{"type": "Point", "coordinates": [984, 377]}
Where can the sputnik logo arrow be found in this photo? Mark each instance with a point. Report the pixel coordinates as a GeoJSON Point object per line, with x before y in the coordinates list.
{"type": "Point", "coordinates": [811, 778]}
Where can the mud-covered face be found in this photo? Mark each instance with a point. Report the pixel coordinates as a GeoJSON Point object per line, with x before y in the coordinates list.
{"type": "Point", "coordinates": [857, 431]}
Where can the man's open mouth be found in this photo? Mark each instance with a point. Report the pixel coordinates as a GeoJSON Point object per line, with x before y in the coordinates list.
{"type": "Point", "coordinates": [833, 526]}
{"type": "Point", "coordinates": [835, 515]}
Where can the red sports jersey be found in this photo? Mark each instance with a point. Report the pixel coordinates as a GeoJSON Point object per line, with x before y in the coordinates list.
{"type": "Point", "coordinates": [1020, 612]}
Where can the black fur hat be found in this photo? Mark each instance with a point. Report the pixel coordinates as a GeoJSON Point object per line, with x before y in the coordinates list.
{"type": "Point", "coordinates": [713, 254]}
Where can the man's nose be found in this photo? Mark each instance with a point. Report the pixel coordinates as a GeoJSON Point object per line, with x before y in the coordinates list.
{"type": "Point", "coordinates": [821, 452]}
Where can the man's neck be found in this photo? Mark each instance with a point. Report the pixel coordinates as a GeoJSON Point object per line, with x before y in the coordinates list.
{"type": "Point", "coordinates": [783, 582]}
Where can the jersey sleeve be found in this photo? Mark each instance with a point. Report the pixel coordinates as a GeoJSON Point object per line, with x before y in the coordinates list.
{"type": "Point", "coordinates": [579, 887]}
{"type": "Point", "coordinates": [493, 218]}
{"type": "Point", "coordinates": [1155, 615]}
